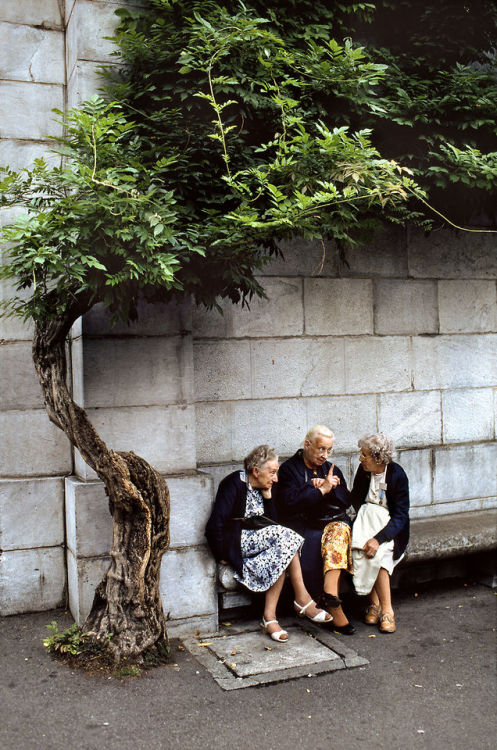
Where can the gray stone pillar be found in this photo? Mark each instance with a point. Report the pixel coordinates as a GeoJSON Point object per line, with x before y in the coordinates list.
{"type": "Point", "coordinates": [34, 455]}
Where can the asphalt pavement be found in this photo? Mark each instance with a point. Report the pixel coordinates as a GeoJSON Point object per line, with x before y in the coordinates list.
{"type": "Point", "coordinates": [432, 684]}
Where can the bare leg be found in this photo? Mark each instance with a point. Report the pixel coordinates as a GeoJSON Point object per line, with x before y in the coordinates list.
{"type": "Point", "coordinates": [302, 596]}
{"type": "Point", "coordinates": [270, 603]}
{"type": "Point", "coordinates": [373, 597]}
{"type": "Point", "coordinates": [331, 584]}
{"type": "Point", "coordinates": [382, 589]}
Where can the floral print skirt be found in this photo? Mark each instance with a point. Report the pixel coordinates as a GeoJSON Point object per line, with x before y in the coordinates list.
{"type": "Point", "coordinates": [335, 547]}
{"type": "Point", "coordinates": [266, 554]}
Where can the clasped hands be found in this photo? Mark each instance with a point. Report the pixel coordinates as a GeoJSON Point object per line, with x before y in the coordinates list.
{"type": "Point", "coordinates": [328, 483]}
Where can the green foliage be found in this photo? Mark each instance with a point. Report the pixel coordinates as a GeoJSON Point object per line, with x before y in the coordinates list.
{"type": "Point", "coordinates": [216, 144]}
{"type": "Point", "coordinates": [70, 641]}
{"type": "Point", "coordinates": [230, 126]}
{"type": "Point", "coordinates": [438, 103]}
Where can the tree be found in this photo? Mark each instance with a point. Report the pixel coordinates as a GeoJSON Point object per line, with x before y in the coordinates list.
{"type": "Point", "coordinates": [210, 145]}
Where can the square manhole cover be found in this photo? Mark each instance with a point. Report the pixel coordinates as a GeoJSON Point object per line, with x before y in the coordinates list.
{"type": "Point", "coordinates": [241, 656]}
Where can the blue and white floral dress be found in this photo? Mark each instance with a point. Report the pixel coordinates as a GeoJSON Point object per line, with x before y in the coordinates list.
{"type": "Point", "coordinates": [266, 552]}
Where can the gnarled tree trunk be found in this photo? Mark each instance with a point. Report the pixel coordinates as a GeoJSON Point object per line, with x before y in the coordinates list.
{"type": "Point", "coordinates": [127, 609]}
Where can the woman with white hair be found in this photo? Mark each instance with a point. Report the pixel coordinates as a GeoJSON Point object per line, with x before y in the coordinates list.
{"type": "Point", "coordinates": [380, 533]}
{"type": "Point", "coordinates": [243, 531]}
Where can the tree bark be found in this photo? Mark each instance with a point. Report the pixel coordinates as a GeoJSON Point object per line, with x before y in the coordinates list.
{"type": "Point", "coordinates": [126, 615]}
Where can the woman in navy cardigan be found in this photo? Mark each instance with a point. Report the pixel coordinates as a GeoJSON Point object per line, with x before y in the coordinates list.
{"type": "Point", "coordinates": [242, 530]}
{"type": "Point", "coordinates": [380, 533]}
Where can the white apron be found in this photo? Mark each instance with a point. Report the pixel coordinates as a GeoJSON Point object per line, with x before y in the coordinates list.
{"type": "Point", "coordinates": [372, 517]}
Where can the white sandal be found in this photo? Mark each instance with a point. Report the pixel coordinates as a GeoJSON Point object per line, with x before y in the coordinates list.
{"type": "Point", "coordinates": [321, 616]}
{"type": "Point", "coordinates": [277, 635]}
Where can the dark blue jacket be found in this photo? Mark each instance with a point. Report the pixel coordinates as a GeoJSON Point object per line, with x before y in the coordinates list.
{"type": "Point", "coordinates": [397, 502]}
{"type": "Point", "coordinates": [223, 533]}
{"type": "Point", "coordinates": [300, 505]}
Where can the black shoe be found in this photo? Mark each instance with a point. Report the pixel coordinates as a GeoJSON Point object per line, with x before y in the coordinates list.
{"type": "Point", "coordinates": [347, 629]}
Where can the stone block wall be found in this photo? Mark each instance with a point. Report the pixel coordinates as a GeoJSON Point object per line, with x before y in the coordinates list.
{"type": "Point", "coordinates": [400, 337]}
{"type": "Point", "coordinates": [34, 455]}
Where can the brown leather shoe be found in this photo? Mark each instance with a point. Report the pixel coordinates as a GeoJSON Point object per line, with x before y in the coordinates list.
{"type": "Point", "coordinates": [372, 614]}
{"type": "Point", "coordinates": [387, 624]}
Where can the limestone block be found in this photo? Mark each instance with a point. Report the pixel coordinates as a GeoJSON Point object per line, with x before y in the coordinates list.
{"type": "Point", "coordinates": [163, 435]}
{"type": "Point", "coordinates": [444, 509]}
{"type": "Point", "coordinates": [281, 423]}
{"type": "Point", "coordinates": [279, 315]}
{"type": "Point", "coordinates": [213, 422]}
{"type": "Point", "coordinates": [31, 513]}
{"type": "Point", "coordinates": [377, 364]}
{"type": "Point", "coordinates": [222, 370]}
{"type": "Point", "coordinates": [411, 419]}
{"type": "Point", "coordinates": [402, 306]}
{"type": "Point", "coordinates": [88, 25]}
{"type": "Point", "coordinates": [445, 255]}
{"type": "Point", "coordinates": [69, 4]}
{"type": "Point", "coordinates": [188, 583]}
{"type": "Point", "coordinates": [463, 472]}
{"type": "Point", "coordinates": [31, 445]}
{"type": "Point", "coordinates": [137, 371]}
{"type": "Point", "coordinates": [218, 471]}
{"type": "Point", "coordinates": [489, 502]}
{"type": "Point", "coordinates": [26, 109]}
{"type": "Point", "coordinates": [191, 503]}
{"type": "Point", "coordinates": [455, 361]}
{"type": "Point", "coordinates": [88, 520]}
{"type": "Point", "coordinates": [19, 385]}
{"type": "Point", "coordinates": [349, 417]}
{"type": "Point", "coordinates": [18, 154]}
{"type": "Point", "coordinates": [212, 324]}
{"type": "Point", "coordinates": [302, 257]}
{"type": "Point", "coordinates": [31, 54]}
{"type": "Point", "coordinates": [297, 367]}
{"type": "Point", "coordinates": [417, 466]}
{"type": "Point", "coordinates": [384, 255]}
{"type": "Point", "coordinates": [85, 81]}
{"type": "Point", "coordinates": [153, 320]}
{"type": "Point", "coordinates": [495, 412]}
{"type": "Point", "coordinates": [31, 580]}
{"type": "Point", "coordinates": [467, 306]}
{"type": "Point", "coordinates": [468, 415]}
{"type": "Point", "coordinates": [44, 13]}
{"type": "Point", "coordinates": [89, 523]}
{"type": "Point", "coordinates": [338, 306]}
{"type": "Point", "coordinates": [13, 328]}
{"type": "Point", "coordinates": [83, 577]}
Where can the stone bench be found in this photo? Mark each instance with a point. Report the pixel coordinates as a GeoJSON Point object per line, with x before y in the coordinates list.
{"type": "Point", "coordinates": [439, 547]}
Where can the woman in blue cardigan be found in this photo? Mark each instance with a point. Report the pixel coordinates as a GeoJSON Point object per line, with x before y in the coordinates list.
{"type": "Point", "coordinates": [380, 533]}
{"type": "Point", "coordinates": [242, 530]}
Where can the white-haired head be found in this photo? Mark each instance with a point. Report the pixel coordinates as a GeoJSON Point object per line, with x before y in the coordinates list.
{"type": "Point", "coordinates": [379, 447]}
{"type": "Point", "coordinates": [318, 430]}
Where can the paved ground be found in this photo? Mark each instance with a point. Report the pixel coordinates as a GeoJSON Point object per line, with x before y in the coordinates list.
{"type": "Point", "coordinates": [430, 685]}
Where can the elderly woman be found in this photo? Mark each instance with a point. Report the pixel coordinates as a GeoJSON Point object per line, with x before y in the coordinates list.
{"type": "Point", "coordinates": [313, 499]}
{"type": "Point", "coordinates": [242, 530]}
{"type": "Point", "coordinates": [380, 533]}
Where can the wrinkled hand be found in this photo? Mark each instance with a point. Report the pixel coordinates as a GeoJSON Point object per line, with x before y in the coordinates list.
{"type": "Point", "coordinates": [266, 494]}
{"type": "Point", "coordinates": [318, 482]}
{"type": "Point", "coordinates": [371, 547]}
{"type": "Point", "coordinates": [330, 482]}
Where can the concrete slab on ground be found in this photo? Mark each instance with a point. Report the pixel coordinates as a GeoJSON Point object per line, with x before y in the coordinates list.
{"type": "Point", "coordinates": [238, 656]}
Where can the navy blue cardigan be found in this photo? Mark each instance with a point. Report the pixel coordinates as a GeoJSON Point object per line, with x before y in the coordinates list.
{"type": "Point", "coordinates": [300, 505]}
{"type": "Point", "coordinates": [397, 502]}
{"type": "Point", "coordinates": [223, 533]}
